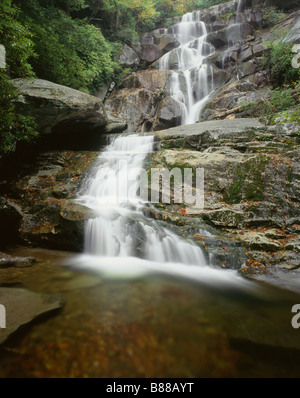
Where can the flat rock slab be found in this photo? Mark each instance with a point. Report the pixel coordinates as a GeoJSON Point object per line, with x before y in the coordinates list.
{"type": "Point", "coordinates": [22, 306]}
{"type": "Point", "coordinates": [221, 126]}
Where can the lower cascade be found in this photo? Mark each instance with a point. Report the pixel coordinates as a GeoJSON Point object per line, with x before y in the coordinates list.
{"type": "Point", "coordinates": [120, 228]}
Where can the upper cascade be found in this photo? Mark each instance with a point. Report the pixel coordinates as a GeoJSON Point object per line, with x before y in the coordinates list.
{"type": "Point", "coordinates": [189, 83]}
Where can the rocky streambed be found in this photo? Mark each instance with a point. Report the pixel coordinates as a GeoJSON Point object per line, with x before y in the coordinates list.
{"type": "Point", "coordinates": [250, 222]}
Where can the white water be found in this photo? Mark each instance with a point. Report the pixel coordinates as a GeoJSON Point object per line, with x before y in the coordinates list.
{"type": "Point", "coordinates": [120, 228]}
{"type": "Point", "coordinates": [191, 81]}
{"type": "Point", "coordinates": [122, 243]}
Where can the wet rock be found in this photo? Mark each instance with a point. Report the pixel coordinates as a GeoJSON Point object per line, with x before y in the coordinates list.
{"type": "Point", "coordinates": [49, 219]}
{"type": "Point", "coordinates": [218, 39]}
{"type": "Point", "coordinates": [72, 211]}
{"type": "Point", "coordinates": [167, 43]}
{"type": "Point", "coordinates": [10, 261]}
{"type": "Point", "coordinates": [23, 306]}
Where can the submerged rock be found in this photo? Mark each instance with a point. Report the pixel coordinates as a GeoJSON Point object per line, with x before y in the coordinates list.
{"type": "Point", "coordinates": [10, 261]}
{"type": "Point", "coordinates": [23, 306]}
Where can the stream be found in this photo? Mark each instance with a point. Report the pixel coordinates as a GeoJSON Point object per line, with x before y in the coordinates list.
{"type": "Point", "coordinates": [153, 325]}
{"type": "Point", "coordinates": [164, 310]}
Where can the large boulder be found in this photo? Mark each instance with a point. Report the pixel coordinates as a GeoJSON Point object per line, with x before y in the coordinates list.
{"type": "Point", "coordinates": [52, 104]}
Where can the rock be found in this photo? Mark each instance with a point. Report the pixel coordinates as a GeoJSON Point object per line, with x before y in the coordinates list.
{"type": "Point", "coordinates": [10, 261]}
{"type": "Point", "coordinates": [157, 43]}
{"type": "Point", "coordinates": [10, 218]}
{"type": "Point", "coordinates": [72, 211]}
{"type": "Point", "coordinates": [217, 39]}
{"type": "Point", "coordinates": [293, 35]}
{"type": "Point", "coordinates": [128, 57]}
{"type": "Point", "coordinates": [51, 104]}
{"type": "Point", "coordinates": [137, 99]}
{"type": "Point", "coordinates": [254, 16]}
{"type": "Point", "coordinates": [248, 68]}
{"type": "Point", "coordinates": [150, 53]}
{"type": "Point", "coordinates": [148, 79]}
{"type": "Point", "coordinates": [258, 241]}
{"type": "Point", "coordinates": [115, 127]}
{"type": "Point", "coordinates": [250, 51]}
{"type": "Point", "coordinates": [22, 306]}
{"type": "Point", "coordinates": [169, 114]}
{"type": "Point", "coordinates": [238, 32]}
{"type": "Point", "coordinates": [251, 177]}
{"type": "Point", "coordinates": [232, 96]}
{"type": "Point", "coordinates": [167, 43]}
{"type": "Point", "coordinates": [49, 217]}
{"type": "Point", "coordinates": [224, 217]}
{"type": "Point", "coordinates": [214, 129]}
{"type": "Point", "coordinates": [2, 57]}
{"type": "Point", "coordinates": [212, 13]}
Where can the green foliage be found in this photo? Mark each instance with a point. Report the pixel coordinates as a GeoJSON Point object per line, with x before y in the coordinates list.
{"type": "Point", "coordinates": [70, 51]}
{"type": "Point", "coordinates": [17, 40]}
{"type": "Point", "coordinates": [271, 16]}
{"type": "Point", "coordinates": [207, 3]}
{"type": "Point", "coordinates": [278, 62]}
{"type": "Point", "coordinates": [280, 100]}
{"type": "Point", "coordinates": [291, 116]}
{"type": "Point", "coordinates": [13, 126]}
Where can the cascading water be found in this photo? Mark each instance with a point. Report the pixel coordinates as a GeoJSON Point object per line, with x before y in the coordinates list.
{"type": "Point", "coordinates": [120, 228]}
{"type": "Point", "coordinates": [120, 239]}
{"type": "Point", "coordinates": [191, 81]}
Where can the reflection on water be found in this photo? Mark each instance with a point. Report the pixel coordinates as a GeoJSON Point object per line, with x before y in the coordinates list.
{"type": "Point", "coordinates": [153, 325]}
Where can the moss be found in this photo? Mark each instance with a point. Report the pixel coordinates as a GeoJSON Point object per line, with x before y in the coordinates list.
{"type": "Point", "coordinates": [249, 183]}
{"type": "Point", "coordinates": [176, 143]}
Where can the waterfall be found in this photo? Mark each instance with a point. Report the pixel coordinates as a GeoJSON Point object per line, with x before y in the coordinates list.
{"type": "Point", "coordinates": [191, 80]}
{"type": "Point", "coordinates": [120, 228]}
{"type": "Point", "coordinates": [234, 32]}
